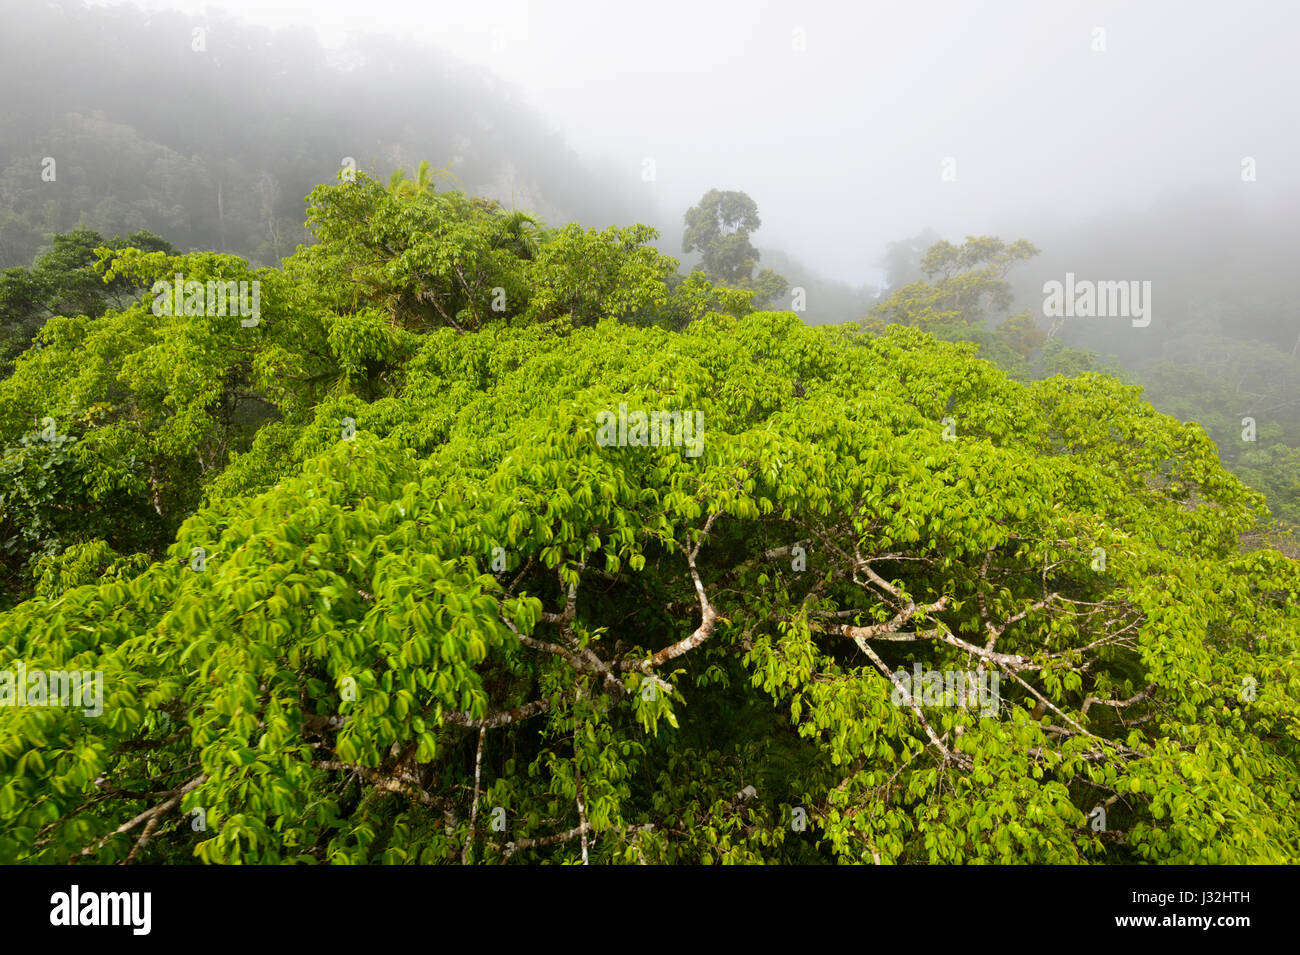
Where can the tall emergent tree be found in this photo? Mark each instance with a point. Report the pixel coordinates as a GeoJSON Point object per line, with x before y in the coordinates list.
{"type": "Point", "coordinates": [719, 227]}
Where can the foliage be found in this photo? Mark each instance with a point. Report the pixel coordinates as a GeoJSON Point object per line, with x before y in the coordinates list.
{"type": "Point", "coordinates": [365, 583]}
{"type": "Point", "coordinates": [49, 501]}
{"type": "Point", "coordinates": [718, 227]}
{"type": "Point", "coordinates": [471, 632]}
{"type": "Point", "coordinates": [1222, 383]}
{"type": "Point", "coordinates": [162, 403]}
{"type": "Point", "coordinates": [964, 285]}
{"type": "Point", "coordinates": [63, 281]}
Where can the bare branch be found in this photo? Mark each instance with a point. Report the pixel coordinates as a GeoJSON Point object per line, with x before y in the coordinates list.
{"type": "Point", "coordinates": [502, 718]}
{"type": "Point", "coordinates": [1117, 703]}
{"type": "Point", "coordinates": [473, 806]}
{"type": "Point", "coordinates": [906, 695]}
{"type": "Point", "coordinates": [149, 815]}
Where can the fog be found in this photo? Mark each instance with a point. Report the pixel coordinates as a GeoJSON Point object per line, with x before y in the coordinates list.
{"type": "Point", "coordinates": [851, 125]}
{"type": "Point", "coordinates": [841, 142]}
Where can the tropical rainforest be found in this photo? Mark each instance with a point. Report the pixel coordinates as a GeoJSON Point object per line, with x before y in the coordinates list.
{"type": "Point", "coordinates": [365, 575]}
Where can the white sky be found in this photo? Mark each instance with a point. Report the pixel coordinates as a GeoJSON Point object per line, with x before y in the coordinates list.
{"type": "Point", "coordinates": [841, 145]}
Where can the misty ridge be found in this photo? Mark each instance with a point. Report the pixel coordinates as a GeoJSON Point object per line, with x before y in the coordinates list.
{"type": "Point", "coordinates": [742, 433]}
{"type": "Point", "coordinates": [222, 154]}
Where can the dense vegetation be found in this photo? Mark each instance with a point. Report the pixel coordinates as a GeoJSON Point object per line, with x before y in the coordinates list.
{"type": "Point", "coordinates": [1219, 356]}
{"type": "Point", "coordinates": [381, 563]}
{"type": "Point", "coordinates": [367, 581]}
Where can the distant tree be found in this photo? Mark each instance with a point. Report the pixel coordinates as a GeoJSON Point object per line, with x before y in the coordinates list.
{"type": "Point", "coordinates": [768, 286]}
{"type": "Point", "coordinates": [1022, 333]}
{"type": "Point", "coordinates": [963, 285]}
{"type": "Point", "coordinates": [719, 227]}
{"type": "Point", "coordinates": [902, 259]}
{"type": "Point", "coordinates": [1275, 471]}
{"type": "Point", "coordinates": [1060, 359]}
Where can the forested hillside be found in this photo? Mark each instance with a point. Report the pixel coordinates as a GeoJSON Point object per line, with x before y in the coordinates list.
{"type": "Point", "coordinates": [478, 540]}
{"type": "Point", "coordinates": [220, 155]}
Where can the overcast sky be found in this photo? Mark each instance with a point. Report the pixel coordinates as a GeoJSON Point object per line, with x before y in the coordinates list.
{"type": "Point", "coordinates": [842, 143]}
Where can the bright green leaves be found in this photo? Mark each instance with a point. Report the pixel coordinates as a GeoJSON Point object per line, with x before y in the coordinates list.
{"type": "Point", "coordinates": [582, 276]}
{"type": "Point", "coordinates": [465, 605]}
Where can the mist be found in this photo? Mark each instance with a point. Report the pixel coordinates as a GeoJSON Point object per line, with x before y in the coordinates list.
{"type": "Point", "coordinates": [1114, 136]}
